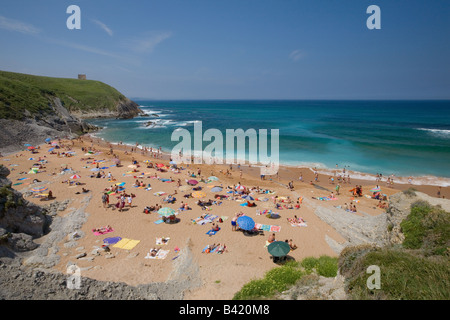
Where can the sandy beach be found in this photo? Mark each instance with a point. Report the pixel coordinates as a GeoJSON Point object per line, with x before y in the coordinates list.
{"type": "Point", "coordinates": [222, 275]}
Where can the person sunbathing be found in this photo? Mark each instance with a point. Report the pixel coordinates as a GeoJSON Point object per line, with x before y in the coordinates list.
{"type": "Point", "coordinates": [291, 244]}
{"type": "Point", "coordinates": [221, 249]}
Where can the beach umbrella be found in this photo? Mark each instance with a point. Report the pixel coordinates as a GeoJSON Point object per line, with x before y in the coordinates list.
{"type": "Point", "coordinates": [166, 211]}
{"type": "Point", "coordinates": [213, 178]}
{"type": "Point", "coordinates": [198, 194]}
{"type": "Point", "coordinates": [147, 161]}
{"type": "Point", "coordinates": [39, 189]}
{"type": "Point", "coordinates": [33, 171]}
{"type": "Point", "coordinates": [240, 188]}
{"type": "Point", "coordinates": [48, 140]}
{"type": "Point", "coordinates": [173, 162]}
{"type": "Point", "coordinates": [160, 165]}
{"type": "Point", "coordinates": [376, 189]}
{"type": "Point", "coordinates": [51, 149]}
{"type": "Point", "coordinates": [54, 143]}
{"type": "Point", "coordinates": [216, 189]}
{"type": "Point", "coordinates": [245, 223]}
{"type": "Point", "coordinates": [278, 248]}
{"type": "Point", "coordinates": [75, 176]}
{"type": "Point", "coordinates": [248, 198]}
{"type": "Point", "coordinates": [31, 148]}
{"type": "Point", "coordinates": [192, 182]}
{"type": "Point", "coordinates": [120, 184]}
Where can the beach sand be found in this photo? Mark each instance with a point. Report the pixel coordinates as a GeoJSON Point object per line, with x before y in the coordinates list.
{"type": "Point", "coordinates": [221, 275]}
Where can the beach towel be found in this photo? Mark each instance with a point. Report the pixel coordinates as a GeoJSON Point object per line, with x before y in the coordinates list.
{"type": "Point", "coordinates": [161, 254]}
{"type": "Point", "coordinates": [297, 224]}
{"type": "Point", "coordinates": [160, 242]}
{"type": "Point", "coordinates": [112, 240]}
{"type": "Point", "coordinates": [17, 184]}
{"type": "Point", "coordinates": [207, 219]}
{"type": "Point", "coordinates": [126, 244]}
{"type": "Point", "coordinates": [99, 233]}
{"type": "Point", "coordinates": [275, 228]}
{"type": "Point", "coordinates": [206, 249]}
{"type": "Point", "coordinates": [212, 232]}
{"type": "Point", "coordinates": [159, 221]}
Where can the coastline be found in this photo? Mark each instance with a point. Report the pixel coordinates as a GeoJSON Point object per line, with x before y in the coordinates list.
{"type": "Point", "coordinates": [424, 184]}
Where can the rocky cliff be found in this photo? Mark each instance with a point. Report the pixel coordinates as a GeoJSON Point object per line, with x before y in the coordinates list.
{"type": "Point", "coordinates": [33, 108]}
{"type": "Point", "coordinates": [20, 221]}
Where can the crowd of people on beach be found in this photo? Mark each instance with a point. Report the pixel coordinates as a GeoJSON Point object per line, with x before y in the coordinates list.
{"type": "Point", "coordinates": [235, 192]}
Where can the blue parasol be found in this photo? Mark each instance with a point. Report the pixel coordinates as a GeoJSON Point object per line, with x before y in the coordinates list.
{"type": "Point", "coordinates": [245, 223]}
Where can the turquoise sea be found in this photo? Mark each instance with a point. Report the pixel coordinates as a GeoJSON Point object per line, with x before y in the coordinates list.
{"type": "Point", "coordinates": [404, 138]}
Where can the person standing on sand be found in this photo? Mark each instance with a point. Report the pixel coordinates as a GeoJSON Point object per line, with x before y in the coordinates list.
{"type": "Point", "coordinates": [105, 200]}
{"type": "Point", "coordinates": [337, 188]}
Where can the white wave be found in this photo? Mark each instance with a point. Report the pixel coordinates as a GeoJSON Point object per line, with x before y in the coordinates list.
{"type": "Point", "coordinates": [414, 180]}
{"type": "Point", "coordinates": [438, 132]}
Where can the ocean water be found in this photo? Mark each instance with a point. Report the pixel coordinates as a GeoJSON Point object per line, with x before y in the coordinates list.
{"type": "Point", "coordinates": [404, 138]}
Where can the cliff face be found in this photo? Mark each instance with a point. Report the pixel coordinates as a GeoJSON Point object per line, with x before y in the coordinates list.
{"type": "Point", "coordinates": [33, 108]}
{"type": "Point", "coordinates": [20, 220]}
{"type": "Point", "coordinates": [125, 109]}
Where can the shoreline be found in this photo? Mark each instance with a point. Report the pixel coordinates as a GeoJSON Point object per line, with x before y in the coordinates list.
{"type": "Point", "coordinates": [416, 181]}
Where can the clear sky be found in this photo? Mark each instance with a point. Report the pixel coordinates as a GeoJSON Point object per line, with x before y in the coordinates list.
{"type": "Point", "coordinates": [236, 49]}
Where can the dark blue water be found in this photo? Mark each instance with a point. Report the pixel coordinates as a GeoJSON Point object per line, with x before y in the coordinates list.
{"type": "Point", "coordinates": [405, 138]}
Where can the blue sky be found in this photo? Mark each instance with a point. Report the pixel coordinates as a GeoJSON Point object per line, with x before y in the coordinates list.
{"type": "Point", "coordinates": [236, 49]}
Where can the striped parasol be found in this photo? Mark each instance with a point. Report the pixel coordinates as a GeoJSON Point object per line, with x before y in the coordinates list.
{"type": "Point", "coordinates": [166, 211]}
{"type": "Point", "coordinates": [39, 189]}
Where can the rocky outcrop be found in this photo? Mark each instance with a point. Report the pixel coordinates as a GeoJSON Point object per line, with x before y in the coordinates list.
{"type": "Point", "coordinates": [20, 220]}
{"type": "Point", "coordinates": [400, 207]}
{"type": "Point", "coordinates": [124, 109]}
{"type": "Point", "coordinates": [315, 287]}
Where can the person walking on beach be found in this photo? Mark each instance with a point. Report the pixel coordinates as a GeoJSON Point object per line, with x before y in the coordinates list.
{"type": "Point", "coordinates": [337, 188]}
{"type": "Point", "coordinates": [105, 200]}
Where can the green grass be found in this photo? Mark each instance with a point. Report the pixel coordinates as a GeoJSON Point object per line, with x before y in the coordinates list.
{"type": "Point", "coordinates": [325, 266]}
{"type": "Point", "coordinates": [427, 228]}
{"type": "Point", "coordinates": [418, 269]}
{"type": "Point", "coordinates": [404, 276]}
{"type": "Point", "coordinates": [275, 280]}
{"type": "Point", "coordinates": [282, 278]}
{"type": "Point", "coordinates": [20, 92]}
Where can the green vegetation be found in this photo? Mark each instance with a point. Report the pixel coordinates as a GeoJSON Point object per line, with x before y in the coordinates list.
{"type": "Point", "coordinates": [7, 199]}
{"type": "Point", "coordinates": [325, 266]}
{"type": "Point", "coordinates": [282, 278]}
{"type": "Point", "coordinates": [418, 269]}
{"type": "Point", "coordinates": [404, 276]}
{"type": "Point", "coordinates": [427, 228]}
{"type": "Point", "coordinates": [20, 92]}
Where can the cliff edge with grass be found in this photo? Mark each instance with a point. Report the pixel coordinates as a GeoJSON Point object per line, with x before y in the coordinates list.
{"type": "Point", "coordinates": [33, 108]}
